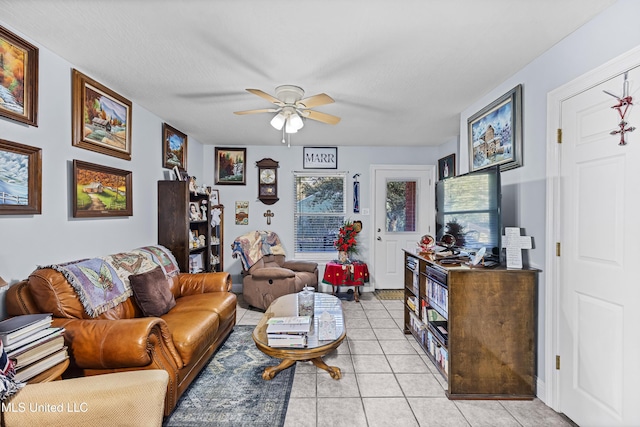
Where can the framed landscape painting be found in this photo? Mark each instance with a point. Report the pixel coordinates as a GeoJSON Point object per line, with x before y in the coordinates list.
{"type": "Point", "coordinates": [230, 166]}
{"type": "Point", "coordinates": [100, 191]}
{"type": "Point", "coordinates": [495, 133]}
{"type": "Point", "coordinates": [18, 78]}
{"type": "Point", "coordinates": [174, 148]}
{"type": "Point", "coordinates": [101, 119]}
{"type": "Point", "coordinates": [20, 179]}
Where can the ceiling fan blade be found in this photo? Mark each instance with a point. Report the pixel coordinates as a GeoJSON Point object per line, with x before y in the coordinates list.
{"type": "Point", "coordinates": [321, 117]}
{"type": "Point", "coordinates": [266, 96]}
{"type": "Point", "coordinates": [263, 110]}
{"type": "Point", "coordinates": [315, 101]}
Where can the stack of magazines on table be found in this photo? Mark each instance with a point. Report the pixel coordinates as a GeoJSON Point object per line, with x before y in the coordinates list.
{"type": "Point", "coordinates": [32, 344]}
{"type": "Point", "coordinates": [288, 331]}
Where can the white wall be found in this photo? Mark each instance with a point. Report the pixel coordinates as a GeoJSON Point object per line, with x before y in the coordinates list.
{"type": "Point", "coordinates": [55, 236]}
{"type": "Point", "coordinates": [27, 241]}
{"type": "Point", "coordinates": [350, 159]}
{"type": "Point", "coordinates": [524, 189]}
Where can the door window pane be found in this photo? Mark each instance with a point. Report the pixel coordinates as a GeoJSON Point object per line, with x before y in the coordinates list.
{"type": "Point", "coordinates": [401, 206]}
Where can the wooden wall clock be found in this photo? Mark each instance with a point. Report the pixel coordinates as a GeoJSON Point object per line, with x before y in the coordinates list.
{"type": "Point", "coordinates": [267, 181]}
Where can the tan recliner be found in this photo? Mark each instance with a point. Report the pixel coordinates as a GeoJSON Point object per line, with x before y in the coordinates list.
{"type": "Point", "coordinates": [272, 276]}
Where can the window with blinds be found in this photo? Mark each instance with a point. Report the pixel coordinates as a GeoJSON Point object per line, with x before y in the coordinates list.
{"type": "Point", "coordinates": [320, 210]}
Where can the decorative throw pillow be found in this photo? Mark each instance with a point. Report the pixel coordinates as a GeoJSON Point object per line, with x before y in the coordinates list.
{"type": "Point", "coordinates": [151, 292]}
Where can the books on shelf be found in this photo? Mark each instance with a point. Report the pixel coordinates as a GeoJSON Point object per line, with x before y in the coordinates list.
{"type": "Point", "coordinates": [20, 327]}
{"type": "Point", "coordinates": [289, 325]}
{"type": "Point", "coordinates": [29, 371]}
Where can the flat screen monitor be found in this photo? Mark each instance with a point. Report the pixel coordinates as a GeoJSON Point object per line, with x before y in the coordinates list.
{"type": "Point", "coordinates": [468, 208]}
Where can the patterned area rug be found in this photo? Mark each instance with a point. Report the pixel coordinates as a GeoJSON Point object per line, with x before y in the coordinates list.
{"type": "Point", "coordinates": [389, 294]}
{"type": "Point", "coordinates": [230, 390]}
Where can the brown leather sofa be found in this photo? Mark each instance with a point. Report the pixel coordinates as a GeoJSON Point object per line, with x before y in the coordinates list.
{"type": "Point", "coordinates": [272, 276]}
{"type": "Point", "coordinates": [180, 342]}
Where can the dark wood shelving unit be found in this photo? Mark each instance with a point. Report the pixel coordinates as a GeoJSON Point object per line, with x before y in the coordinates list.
{"type": "Point", "coordinates": [175, 228]}
{"type": "Point", "coordinates": [477, 325]}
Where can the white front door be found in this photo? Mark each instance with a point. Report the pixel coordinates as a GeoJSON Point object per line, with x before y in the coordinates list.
{"type": "Point", "coordinates": [598, 316]}
{"type": "Point", "coordinates": [404, 204]}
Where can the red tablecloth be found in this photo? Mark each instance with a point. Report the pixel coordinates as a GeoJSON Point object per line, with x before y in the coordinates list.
{"type": "Point", "coordinates": [355, 273]}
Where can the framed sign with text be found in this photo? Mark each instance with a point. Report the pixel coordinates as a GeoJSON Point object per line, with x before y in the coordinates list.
{"type": "Point", "coordinates": [320, 157]}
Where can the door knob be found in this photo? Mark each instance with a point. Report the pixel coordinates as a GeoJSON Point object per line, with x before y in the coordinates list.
{"type": "Point", "coordinates": [379, 230]}
{"type": "Point", "coordinates": [379, 238]}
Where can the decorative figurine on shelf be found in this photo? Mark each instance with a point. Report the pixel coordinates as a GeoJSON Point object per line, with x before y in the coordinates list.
{"type": "Point", "coordinates": [193, 187]}
{"type": "Point", "coordinates": [346, 242]}
{"type": "Point", "coordinates": [426, 243]}
{"type": "Point", "coordinates": [203, 208]}
{"type": "Point", "coordinates": [215, 216]}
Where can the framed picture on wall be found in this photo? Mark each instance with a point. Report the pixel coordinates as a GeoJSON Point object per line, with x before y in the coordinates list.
{"type": "Point", "coordinates": [495, 133]}
{"type": "Point", "coordinates": [19, 72]}
{"type": "Point", "coordinates": [230, 166]}
{"type": "Point", "coordinates": [100, 191]}
{"type": "Point", "coordinates": [20, 179]}
{"type": "Point", "coordinates": [447, 166]}
{"type": "Point", "coordinates": [174, 147]}
{"type": "Point", "coordinates": [101, 119]}
{"type": "Point", "coordinates": [214, 197]}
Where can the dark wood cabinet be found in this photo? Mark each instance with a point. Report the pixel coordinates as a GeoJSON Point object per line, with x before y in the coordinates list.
{"type": "Point", "coordinates": [477, 325]}
{"type": "Point", "coordinates": [184, 227]}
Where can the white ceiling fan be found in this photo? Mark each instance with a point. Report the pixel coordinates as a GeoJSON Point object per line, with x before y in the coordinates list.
{"type": "Point", "coordinates": [292, 108]}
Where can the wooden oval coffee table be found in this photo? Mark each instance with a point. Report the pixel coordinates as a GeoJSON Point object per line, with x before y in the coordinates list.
{"type": "Point", "coordinates": [287, 305]}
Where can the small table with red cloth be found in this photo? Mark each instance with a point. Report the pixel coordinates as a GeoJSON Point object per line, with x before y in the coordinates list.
{"type": "Point", "coordinates": [354, 273]}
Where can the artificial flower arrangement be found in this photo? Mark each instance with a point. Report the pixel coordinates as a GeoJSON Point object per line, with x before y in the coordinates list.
{"type": "Point", "coordinates": [346, 241]}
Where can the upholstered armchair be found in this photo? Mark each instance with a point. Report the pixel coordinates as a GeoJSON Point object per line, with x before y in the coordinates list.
{"type": "Point", "coordinates": [272, 276]}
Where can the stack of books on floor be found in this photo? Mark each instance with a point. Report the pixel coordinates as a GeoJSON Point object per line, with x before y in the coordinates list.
{"type": "Point", "coordinates": [32, 344]}
{"type": "Point", "coordinates": [288, 331]}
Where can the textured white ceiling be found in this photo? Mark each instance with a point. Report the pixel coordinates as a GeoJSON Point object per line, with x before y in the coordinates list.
{"type": "Point", "coordinates": [399, 71]}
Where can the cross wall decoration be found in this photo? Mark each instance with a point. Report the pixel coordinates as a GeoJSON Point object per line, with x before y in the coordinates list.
{"type": "Point", "coordinates": [622, 107]}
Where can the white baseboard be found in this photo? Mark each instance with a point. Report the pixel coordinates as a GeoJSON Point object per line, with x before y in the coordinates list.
{"type": "Point", "coordinates": [540, 390]}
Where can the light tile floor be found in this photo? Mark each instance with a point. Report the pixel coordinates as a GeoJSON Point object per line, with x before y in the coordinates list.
{"type": "Point", "coordinates": [387, 380]}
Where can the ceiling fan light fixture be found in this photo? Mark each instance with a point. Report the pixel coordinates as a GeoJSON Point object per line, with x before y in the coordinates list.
{"type": "Point", "coordinates": [289, 127]}
{"type": "Point", "coordinates": [278, 121]}
{"type": "Point", "coordinates": [296, 121]}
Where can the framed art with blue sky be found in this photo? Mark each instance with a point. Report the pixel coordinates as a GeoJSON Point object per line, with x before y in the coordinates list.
{"type": "Point", "coordinates": [495, 133]}
{"type": "Point", "coordinates": [174, 148]}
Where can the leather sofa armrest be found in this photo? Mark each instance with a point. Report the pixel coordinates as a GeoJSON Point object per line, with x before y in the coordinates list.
{"type": "Point", "coordinates": [201, 283]}
{"type": "Point", "coordinates": [294, 265]}
{"type": "Point", "coordinates": [133, 398]}
{"type": "Point", "coordinates": [274, 273]}
{"type": "Point", "coordinates": [114, 344]}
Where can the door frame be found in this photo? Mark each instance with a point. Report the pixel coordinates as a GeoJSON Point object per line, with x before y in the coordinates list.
{"type": "Point", "coordinates": [611, 69]}
{"type": "Point", "coordinates": [373, 169]}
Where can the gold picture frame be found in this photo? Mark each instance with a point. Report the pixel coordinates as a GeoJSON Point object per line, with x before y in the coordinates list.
{"type": "Point", "coordinates": [101, 119]}
{"type": "Point", "coordinates": [20, 78]}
